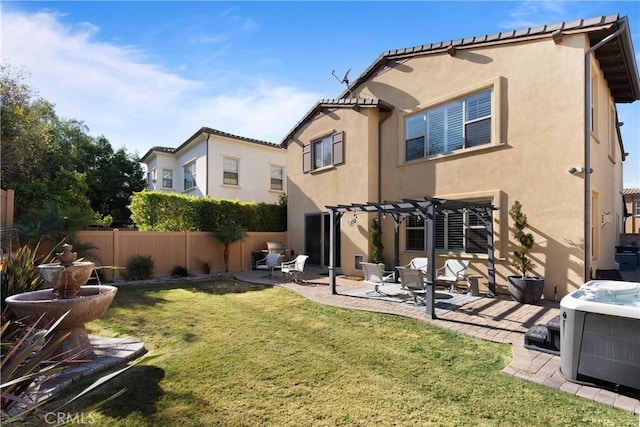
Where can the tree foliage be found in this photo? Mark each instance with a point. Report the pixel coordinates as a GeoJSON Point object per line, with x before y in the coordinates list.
{"type": "Point", "coordinates": [56, 165]}
{"type": "Point", "coordinates": [520, 258]}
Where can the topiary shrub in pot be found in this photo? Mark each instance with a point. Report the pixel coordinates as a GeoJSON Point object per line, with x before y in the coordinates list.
{"type": "Point", "coordinates": [525, 288]}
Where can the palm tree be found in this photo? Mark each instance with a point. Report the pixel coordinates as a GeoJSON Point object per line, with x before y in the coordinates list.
{"type": "Point", "coordinates": [227, 234]}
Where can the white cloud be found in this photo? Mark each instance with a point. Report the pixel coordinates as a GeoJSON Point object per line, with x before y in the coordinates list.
{"type": "Point", "coordinates": [134, 103]}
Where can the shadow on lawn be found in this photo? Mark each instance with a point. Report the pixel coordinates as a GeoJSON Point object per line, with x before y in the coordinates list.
{"type": "Point", "coordinates": [133, 295]}
{"type": "Point", "coordinates": [142, 384]}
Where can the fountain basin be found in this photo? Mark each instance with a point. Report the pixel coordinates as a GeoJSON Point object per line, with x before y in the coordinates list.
{"type": "Point", "coordinates": [66, 279]}
{"type": "Point", "coordinates": [90, 303]}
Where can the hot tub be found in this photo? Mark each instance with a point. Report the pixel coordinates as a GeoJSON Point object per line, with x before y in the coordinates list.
{"type": "Point", "coordinates": [600, 333]}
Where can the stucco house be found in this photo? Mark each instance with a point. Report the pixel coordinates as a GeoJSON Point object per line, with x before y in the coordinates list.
{"type": "Point", "coordinates": [220, 165]}
{"type": "Point", "coordinates": [632, 202]}
{"type": "Point", "coordinates": [521, 115]}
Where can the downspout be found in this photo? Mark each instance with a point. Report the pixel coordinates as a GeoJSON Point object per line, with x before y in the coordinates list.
{"type": "Point", "coordinates": [206, 181]}
{"type": "Point", "coordinates": [587, 148]}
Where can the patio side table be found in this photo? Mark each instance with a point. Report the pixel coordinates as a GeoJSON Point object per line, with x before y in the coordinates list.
{"type": "Point", "coordinates": [472, 284]}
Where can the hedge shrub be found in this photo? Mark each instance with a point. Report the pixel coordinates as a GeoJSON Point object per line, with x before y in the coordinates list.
{"type": "Point", "coordinates": [159, 211]}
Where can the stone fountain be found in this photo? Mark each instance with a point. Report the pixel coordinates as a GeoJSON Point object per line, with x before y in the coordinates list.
{"type": "Point", "coordinates": [69, 292]}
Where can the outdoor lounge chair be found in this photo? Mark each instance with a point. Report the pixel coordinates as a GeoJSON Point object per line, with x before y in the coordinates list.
{"type": "Point", "coordinates": [453, 271]}
{"type": "Point", "coordinates": [270, 262]}
{"type": "Point", "coordinates": [374, 274]}
{"type": "Point", "coordinates": [412, 280]}
{"type": "Point", "coordinates": [294, 267]}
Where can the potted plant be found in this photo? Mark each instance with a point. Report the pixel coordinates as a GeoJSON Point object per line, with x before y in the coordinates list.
{"type": "Point", "coordinates": [525, 288]}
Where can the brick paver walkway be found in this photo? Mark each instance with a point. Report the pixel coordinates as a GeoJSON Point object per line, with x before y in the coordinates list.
{"type": "Point", "coordinates": [495, 319]}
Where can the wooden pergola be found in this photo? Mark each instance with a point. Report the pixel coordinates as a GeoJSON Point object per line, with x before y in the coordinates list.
{"type": "Point", "coordinates": [427, 208]}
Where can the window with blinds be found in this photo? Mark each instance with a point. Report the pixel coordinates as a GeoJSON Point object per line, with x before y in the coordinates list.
{"type": "Point", "coordinates": [460, 124]}
{"type": "Point", "coordinates": [230, 171]}
{"type": "Point", "coordinates": [464, 231]}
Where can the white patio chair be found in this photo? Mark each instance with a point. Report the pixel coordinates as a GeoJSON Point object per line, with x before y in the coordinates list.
{"type": "Point", "coordinates": [418, 263]}
{"type": "Point", "coordinates": [374, 274]}
{"type": "Point", "coordinates": [294, 267]}
{"type": "Point", "coordinates": [412, 280]}
{"type": "Point", "coordinates": [270, 262]}
{"type": "Point", "coordinates": [453, 271]}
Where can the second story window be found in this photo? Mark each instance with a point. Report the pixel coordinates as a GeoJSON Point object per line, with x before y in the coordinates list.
{"type": "Point", "coordinates": [277, 175]}
{"type": "Point", "coordinates": [167, 178]}
{"type": "Point", "coordinates": [230, 171]}
{"type": "Point", "coordinates": [323, 152]}
{"type": "Point", "coordinates": [189, 175]}
{"type": "Point", "coordinates": [463, 123]}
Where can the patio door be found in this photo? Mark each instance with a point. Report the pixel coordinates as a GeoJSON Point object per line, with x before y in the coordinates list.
{"type": "Point", "coordinates": [317, 239]}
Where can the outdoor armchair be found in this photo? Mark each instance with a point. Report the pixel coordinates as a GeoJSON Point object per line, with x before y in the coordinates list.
{"type": "Point", "coordinates": [412, 280]}
{"type": "Point", "coordinates": [270, 262]}
{"type": "Point", "coordinates": [418, 263]}
{"type": "Point", "coordinates": [453, 271]}
{"type": "Point", "coordinates": [374, 274]}
{"type": "Point", "coordinates": [294, 267]}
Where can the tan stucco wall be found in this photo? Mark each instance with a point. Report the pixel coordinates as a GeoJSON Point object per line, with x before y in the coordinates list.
{"type": "Point", "coordinates": [538, 134]}
{"type": "Point", "coordinates": [355, 181]}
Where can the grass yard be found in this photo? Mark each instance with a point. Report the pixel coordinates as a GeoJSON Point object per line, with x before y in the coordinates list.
{"type": "Point", "coordinates": [237, 354]}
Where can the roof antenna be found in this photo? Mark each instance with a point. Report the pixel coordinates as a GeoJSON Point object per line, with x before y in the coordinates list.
{"type": "Point", "coordinates": [345, 79]}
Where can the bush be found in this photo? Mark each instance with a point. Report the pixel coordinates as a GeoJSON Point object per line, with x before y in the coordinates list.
{"type": "Point", "coordinates": [139, 267]}
{"type": "Point", "coordinates": [159, 211]}
{"type": "Point", "coordinates": [19, 271]}
{"type": "Point", "coordinates": [179, 271]}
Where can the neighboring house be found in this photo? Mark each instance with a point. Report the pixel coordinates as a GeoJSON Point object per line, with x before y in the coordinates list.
{"type": "Point", "coordinates": [494, 119]}
{"type": "Point", "coordinates": [632, 204]}
{"type": "Point", "coordinates": [220, 165]}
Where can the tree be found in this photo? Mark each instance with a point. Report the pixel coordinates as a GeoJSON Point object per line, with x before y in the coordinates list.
{"type": "Point", "coordinates": [520, 258]}
{"type": "Point", "coordinates": [39, 151]}
{"type": "Point", "coordinates": [228, 234]}
{"type": "Point", "coordinates": [25, 130]}
{"type": "Point", "coordinates": [377, 248]}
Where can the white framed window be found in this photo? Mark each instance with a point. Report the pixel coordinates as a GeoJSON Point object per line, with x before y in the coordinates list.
{"type": "Point", "coordinates": [189, 175]}
{"type": "Point", "coordinates": [462, 123]}
{"type": "Point", "coordinates": [464, 231]}
{"type": "Point", "coordinates": [277, 178]}
{"type": "Point", "coordinates": [167, 178]}
{"type": "Point", "coordinates": [230, 171]}
{"type": "Point", "coordinates": [637, 212]}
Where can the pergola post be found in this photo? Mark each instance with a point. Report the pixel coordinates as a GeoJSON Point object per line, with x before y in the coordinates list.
{"type": "Point", "coordinates": [397, 220]}
{"type": "Point", "coordinates": [430, 294]}
{"type": "Point", "coordinates": [491, 264]}
{"type": "Point", "coordinates": [333, 225]}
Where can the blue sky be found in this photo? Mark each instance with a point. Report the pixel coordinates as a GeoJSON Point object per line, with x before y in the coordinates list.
{"type": "Point", "coordinates": [152, 73]}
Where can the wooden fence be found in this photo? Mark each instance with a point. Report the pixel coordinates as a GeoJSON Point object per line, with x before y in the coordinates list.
{"type": "Point", "coordinates": [168, 250]}
{"type": "Point", "coordinates": [6, 208]}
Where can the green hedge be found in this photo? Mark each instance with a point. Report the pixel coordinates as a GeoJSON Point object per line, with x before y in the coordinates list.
{"type": "Point", "coordinates": [159, 211]}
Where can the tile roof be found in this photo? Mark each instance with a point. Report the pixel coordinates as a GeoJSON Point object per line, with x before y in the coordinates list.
{"type": "Point", "coordinates": [211, 131]}
{"type": "Point", "coordinates": [354, 103]}
{"type": "Point", "coordinates": [631, 191]}
{"type": "Point", "coordinates": [616, 58]}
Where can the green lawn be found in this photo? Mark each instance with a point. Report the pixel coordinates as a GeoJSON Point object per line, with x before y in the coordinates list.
{"type": "Point", "coordinates": [236, 354]}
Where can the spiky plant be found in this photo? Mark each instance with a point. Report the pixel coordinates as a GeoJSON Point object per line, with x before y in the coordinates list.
{"type": "Point", "coordinates": [228, 234]}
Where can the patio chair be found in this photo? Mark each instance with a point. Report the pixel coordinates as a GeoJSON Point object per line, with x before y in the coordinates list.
{"type": "Point", "coordinates": [453, 270]}
{"type": "Point", "coordinates": [418, 263]}
{"type": "Point", "coordinates": [270, 262]}
{"type": "Point", "coordinates": [374, 274]}
{"type": "Point", "coordinates": [294, 267]}
{"type": "Point", "coordinates": [412, 280]}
